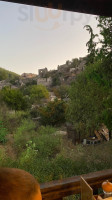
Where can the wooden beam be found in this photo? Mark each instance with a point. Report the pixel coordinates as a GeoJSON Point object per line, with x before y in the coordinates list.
{"type": "Point", "coordinates": [96, 7]}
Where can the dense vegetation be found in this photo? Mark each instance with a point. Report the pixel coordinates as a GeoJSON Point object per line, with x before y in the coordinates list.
{"type": "Point", "coordinates": [91, 93]}
{"type": "Point", "coordinates": [92, 106]}
{"type": "Point", "coordinates": [47, 155]}
{"type": "Point", "coordinates": [5, 74]}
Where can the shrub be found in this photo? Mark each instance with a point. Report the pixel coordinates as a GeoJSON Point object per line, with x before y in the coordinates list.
{"type": "Point", "coordinates": [47, 143]}
{"type": "Point", "coordinates": [37, 93]}
{"type": "Point", "coordinates": [28, 154]}
{"type": "Point", "coordinates": [14, 99]}
{"type": "Point", "coordinates": [46, 130]}
{"type": "Point", "coordinates": [53, 113]}
{"type": "Point", "coordinates": [23, 134]}
{"type": "Point", "coordinates": [47, 146]}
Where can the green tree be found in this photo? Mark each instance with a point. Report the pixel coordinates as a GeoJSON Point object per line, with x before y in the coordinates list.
{"type": "Point", "coordinates": [90, 95]}
{"type": "Point", "coordinates": [56, 80]}
{"type": "Point", "coordinates": [37, 93]}
{"type": "Point", "coordinates": [105, 25]}
{"type": "Point", "coordinates": [104, 51]}
{"type": "Point", "coordinates": [53, 113]}
{"type": "Point", "coordinates": [88, 100]}
{"type": "Point", "coordinates": [14, 98]}
{"type": "Point", "coordinates": [62, 91]}
{"type": "Point", "coordinates": [91, 44]}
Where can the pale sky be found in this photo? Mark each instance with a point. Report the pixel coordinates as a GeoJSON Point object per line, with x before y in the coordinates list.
{"type": "Point", "coordinates": [32, 37]}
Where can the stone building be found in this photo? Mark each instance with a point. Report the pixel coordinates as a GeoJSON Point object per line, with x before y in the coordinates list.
{"type": "Point", "coordinates": [63, 68]}
{"type": "Point", "coordinates": [42, 72]}
{"type": "Point", "coordinates": [44, 81]}
{"type": "Point", "coordinates": [65, 73]}
{"type": "Point", "coordinates": [28, 75]}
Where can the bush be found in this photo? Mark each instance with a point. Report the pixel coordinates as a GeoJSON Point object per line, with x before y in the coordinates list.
{"type": "Point", "coordinates": [29, 154]}
{"type": "Point", "coordinates": [53, 113]}
{"type": "Point", "coordinates": [46, 143]}
{"type": "Point", "coordinates": [46, 130]}
{"type": "Point", "coordinates": [23, 134]}
{"type": "Point", "coordinates": [39, 153]}
{"type": "Point", "coordinates": [34, 113]}
{"type": "Point", "coordinates": [37, 93]}
{"type": "Point", "coordinates": [48, 146]}
{"type": "Point", "coordinates": [14, 99]}
{"type": "Point", "coordinates": [16, 118]}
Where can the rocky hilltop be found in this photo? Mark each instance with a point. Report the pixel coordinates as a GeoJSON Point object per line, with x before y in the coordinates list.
{"type": "Point", "coordinates": [64, 75]}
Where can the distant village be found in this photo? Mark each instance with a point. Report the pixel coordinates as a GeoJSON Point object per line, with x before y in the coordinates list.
{"type": "Point", "coordinates": [64, 74]}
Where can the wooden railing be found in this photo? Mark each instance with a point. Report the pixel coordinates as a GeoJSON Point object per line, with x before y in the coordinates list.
{"type": "Point", "coordinates": [56, 190]}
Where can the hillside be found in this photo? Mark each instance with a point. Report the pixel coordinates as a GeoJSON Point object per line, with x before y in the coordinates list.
{"type": "Point", "coordinates": [64, 74]}
{"type": "Point", "coordinates": [6, 74]}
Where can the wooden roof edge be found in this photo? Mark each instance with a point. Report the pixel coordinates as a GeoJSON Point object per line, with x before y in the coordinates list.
{"type": "Point", "coordinates": [96, 7]}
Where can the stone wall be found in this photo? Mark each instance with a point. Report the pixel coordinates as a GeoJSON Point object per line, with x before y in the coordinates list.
{"type": "Point", "coordinates": [63, 68]}
{"type": "Point", "coordinates": [4, 83]}
{"type": "Point", "coordinates": [44, 81]}
{"type": "Point", "coordinates": [42, 72]}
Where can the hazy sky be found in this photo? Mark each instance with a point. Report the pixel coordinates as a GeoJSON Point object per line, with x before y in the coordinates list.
{"type": "Point", "coordinates": [33, 37]}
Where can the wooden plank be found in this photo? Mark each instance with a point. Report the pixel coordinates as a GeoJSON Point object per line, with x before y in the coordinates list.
{"type": "Point", "coordinates": [86, 190]}
{"type": "Point", "coordinates": [65, 187]}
